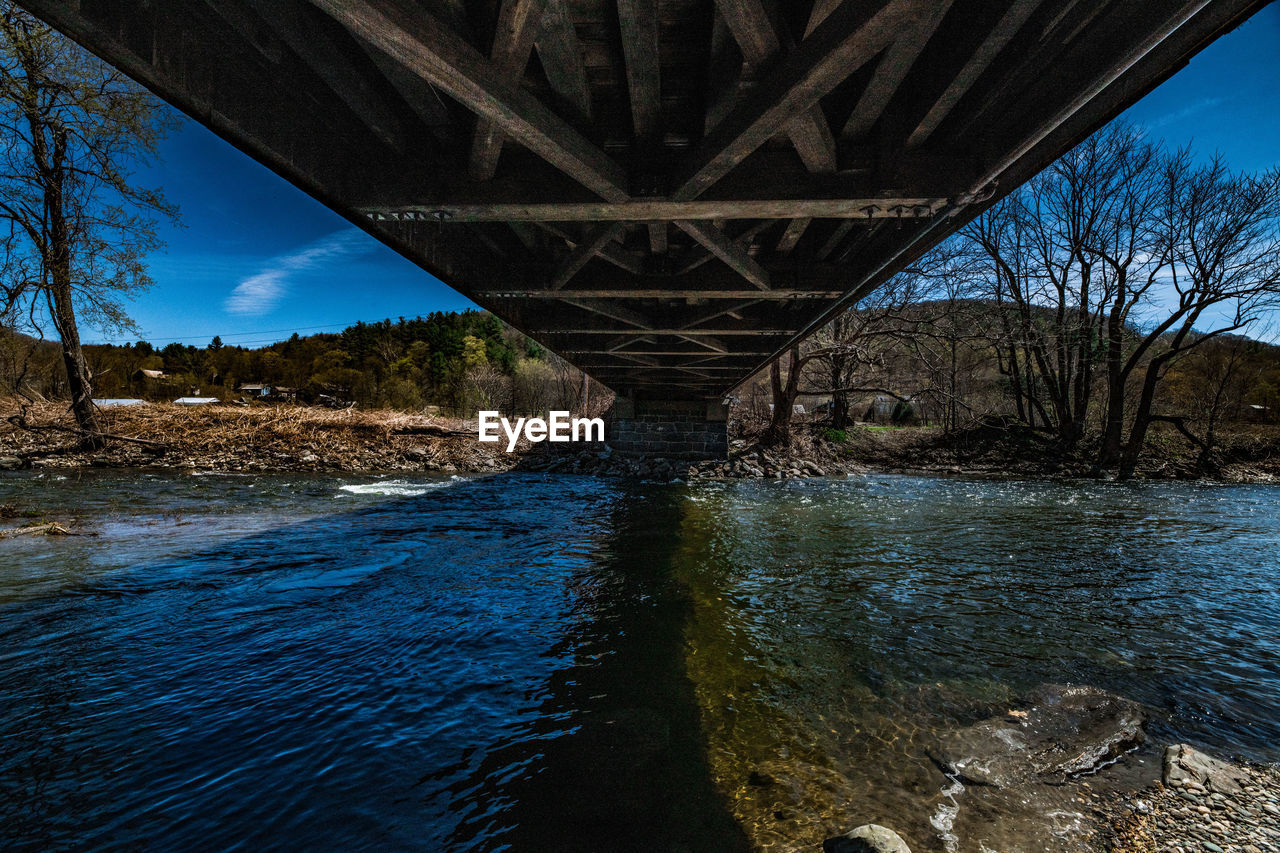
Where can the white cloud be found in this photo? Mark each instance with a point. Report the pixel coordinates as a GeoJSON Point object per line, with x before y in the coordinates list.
{"type": "Point", "coordinates": [260, 292]}
{"type": "Point", "coordinates": [1188, 111]}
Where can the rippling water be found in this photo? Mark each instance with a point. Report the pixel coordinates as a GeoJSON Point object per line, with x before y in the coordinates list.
{"type": "Point", "coordinates": [562, 663]}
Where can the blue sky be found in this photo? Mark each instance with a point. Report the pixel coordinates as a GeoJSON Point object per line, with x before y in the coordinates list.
{"type": "Point", "coordinates": [257, 259]}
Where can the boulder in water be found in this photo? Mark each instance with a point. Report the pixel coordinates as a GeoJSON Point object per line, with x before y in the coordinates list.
{"type": "Point", "coordinates": [1065, 732]}
{"type": "Point", "coordinates": [869, 838]}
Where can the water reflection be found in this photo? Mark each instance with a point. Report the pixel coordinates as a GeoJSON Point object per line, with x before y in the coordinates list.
{"type": "Point", "coordinates": [615, 759]}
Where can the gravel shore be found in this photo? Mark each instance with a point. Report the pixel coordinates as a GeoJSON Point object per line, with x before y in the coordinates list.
{"type": "Point", "coordinates": [1189, 816]}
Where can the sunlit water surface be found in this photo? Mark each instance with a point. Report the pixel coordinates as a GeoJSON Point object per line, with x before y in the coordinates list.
{"type": "Point", "coordinates": [563, 663]}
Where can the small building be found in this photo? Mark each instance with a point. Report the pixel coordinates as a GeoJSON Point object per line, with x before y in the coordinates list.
{"type": "Point", "coordinates": [255, 389]}
{"type": "Point", "coordinates": [270, 393]}
{"type": "Point", "coordinates": [813, 402]}
{"type": "Point", "coordinates": [146, 375]}
{"type": "Point", "coordinates": [114, 402]}
{"type": "Point", "coordinates": [880, 409]}
{"type": "Point", "coordinates": [196, 401]}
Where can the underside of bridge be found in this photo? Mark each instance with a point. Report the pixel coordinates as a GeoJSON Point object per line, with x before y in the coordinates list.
{"type": "Point", "coordinates": [665, 192]}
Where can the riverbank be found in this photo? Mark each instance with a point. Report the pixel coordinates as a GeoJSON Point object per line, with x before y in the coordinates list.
{"type": "Point", "coordinates": [1066, 769]}
{"type": "Point", "coordinates": [1071, 769]}
{"type": "Point", "coordinates": [1235, 808]}
{"type": "Point", "coordinates": [251, 438]}
{"type": "Point", "coordinates": [1200, 804]}
{"type": "Point", "coordinates": [283, 438]}
{"type": "Point", "coordinates": [1245, 454]}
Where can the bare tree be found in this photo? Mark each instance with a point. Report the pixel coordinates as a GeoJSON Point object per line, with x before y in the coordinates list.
{"type": "Point", "coordinates": [840, 357]}
{"type": "Point", "coordinates": [1132, 261]}
{"type": "Point", "coordinates": [851, 349]}
{"type": "Point", "coordinates": [1001, 265]}
{"type": "Point", "coordinates": [80, 231]}
{"type": "Point", "coordinates": [784, 391]}
{"type": "Point", "coordinates": [1042, 257]}
{"type": "Point", "coordinates": [1210, 385]}
{"type": "Point", "coordinates": [1220, 234]}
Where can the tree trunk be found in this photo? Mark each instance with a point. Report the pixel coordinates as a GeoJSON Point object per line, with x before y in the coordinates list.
{"type": "Point", "coordinates": [784, 397]}
{"type": "Point", "coordinates": [1141, 420]}
{"type": "Point", "coordinates": [839, 410]}
{"type": "Point", "coordinates": [78, 383]}
{"type": "Point", "coordinates": [1109, 450]}
{"type": "Point", "coordinates": [952, 416]}
{"type": "Point", "coordinates": [839, 397]}
{"type": "Point", "coordinates": [1070, 434]}
{"type": "Point", "coordinates": [58, 263]}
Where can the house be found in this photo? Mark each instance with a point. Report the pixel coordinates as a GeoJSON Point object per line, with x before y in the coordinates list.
{"type": "Point", "coordinates": [196, 401]}
{"type": "Point", "coordinates": [254, 389]}
{"type": "Point", "coordinates": [145, 375]}
{"type": "Point", "coordinates": [263, 391]}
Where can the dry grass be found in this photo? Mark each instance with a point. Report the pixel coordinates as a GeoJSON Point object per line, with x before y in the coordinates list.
{"type": "Point", "coordinates": [234, 437]}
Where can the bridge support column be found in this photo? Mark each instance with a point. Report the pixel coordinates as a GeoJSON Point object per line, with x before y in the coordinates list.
{"type": "Point", "coordinates": [676, 429]}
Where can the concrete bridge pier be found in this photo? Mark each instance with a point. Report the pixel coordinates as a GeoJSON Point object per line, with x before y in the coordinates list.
{"type": "Point", "coordinates": [675, 429]}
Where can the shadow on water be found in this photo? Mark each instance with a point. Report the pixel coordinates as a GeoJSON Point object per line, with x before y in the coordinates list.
{"type": "Point", "coordinates": [494, 663]}
{"type": "Point", "coordinates": [615, 760]}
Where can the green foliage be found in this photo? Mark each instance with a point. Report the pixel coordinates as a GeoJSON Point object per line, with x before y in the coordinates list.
{"type": "Point", "coordinates": [532, 385]}
{"type": "Point", "coordinates": [474, 353]}
{"type": "Point", "coordinates": [453, 360]}
{"type": "Point", "coordinates": [835, 436]}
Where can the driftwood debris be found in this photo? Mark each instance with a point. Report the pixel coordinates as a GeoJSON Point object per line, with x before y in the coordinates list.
{"type": "Point", "coordinates": [20, 421]}
{"type": "Point", "coordinates": [432, 430]}
{"type": "Point", "coordinates": [48, 528]}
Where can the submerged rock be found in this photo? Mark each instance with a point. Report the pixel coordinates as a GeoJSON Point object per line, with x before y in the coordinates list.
{"type": "Point", "coordinates": [1065, 732]}
{"type": "Point", "coordinates": [869, 838]}
{"type": "Point", "coordinates": [1183, 765]}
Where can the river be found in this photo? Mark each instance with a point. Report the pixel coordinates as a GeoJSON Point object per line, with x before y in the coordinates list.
{"type": "Point", "coordinates": [532, 662]}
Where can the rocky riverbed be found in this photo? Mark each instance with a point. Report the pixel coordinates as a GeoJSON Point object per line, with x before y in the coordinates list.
{"type": "Point", "coordinates": [1069, 769]}
{"type": "Point", "coordinates": [743, 463]}
{"type": "Point", "coordinates": [1200, 805]}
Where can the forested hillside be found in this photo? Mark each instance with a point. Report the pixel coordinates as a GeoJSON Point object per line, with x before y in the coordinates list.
{"type": "Point", "coordinates": [458, 361]}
